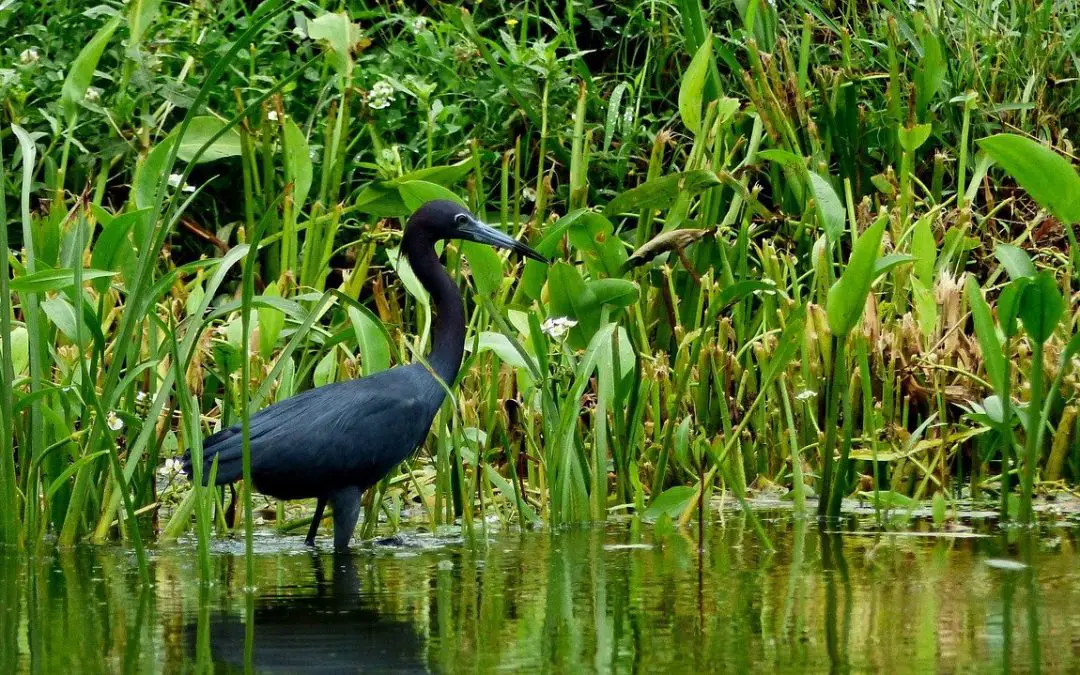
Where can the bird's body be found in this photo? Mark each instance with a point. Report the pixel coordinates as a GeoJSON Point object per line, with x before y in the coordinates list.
{"type": "Point", "coordinates": [334, 442]}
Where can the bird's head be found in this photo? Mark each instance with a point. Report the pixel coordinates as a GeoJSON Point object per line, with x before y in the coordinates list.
{"type": "Point", "coordinates": [444, 219]}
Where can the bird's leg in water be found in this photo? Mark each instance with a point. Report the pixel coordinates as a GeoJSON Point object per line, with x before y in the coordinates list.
{"type": "Point", "coordinates": [346, 503]}
{"type": "Point", "coordinates": [310, 541]}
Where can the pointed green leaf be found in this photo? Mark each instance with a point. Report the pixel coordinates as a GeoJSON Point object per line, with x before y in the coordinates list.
{"type": "Point", "coordinates": [847, 297]}
{"type": "Point", "coordinates": [692, 86]}
{"type": "Point", "coordinates": [1047, 176]}
{"type": "Point", "coordinates": [1041, 307]}
{"type": "Point", "coordinates": [82, 69]}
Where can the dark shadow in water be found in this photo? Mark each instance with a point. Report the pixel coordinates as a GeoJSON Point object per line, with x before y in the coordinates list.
{"type": "Point", "coordinates": [336, 630]}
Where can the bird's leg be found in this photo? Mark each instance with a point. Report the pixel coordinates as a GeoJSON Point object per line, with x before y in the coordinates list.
{"type": "Point", "coordinates": [310, 541]}
{"type": "Point", "coordinates": [346, 503]}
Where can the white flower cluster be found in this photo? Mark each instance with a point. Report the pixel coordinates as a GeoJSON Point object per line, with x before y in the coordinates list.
{"type": "Point", "coordinates": [381, 95]}
{"type": "Point", "coordinates": [29, 56]}
{"type": "Point", "coordinates": [173, 469]}
{"type": "Point", "coordinates": [92, 95]}
{"type": "Point", "coordinates": [557, 327]}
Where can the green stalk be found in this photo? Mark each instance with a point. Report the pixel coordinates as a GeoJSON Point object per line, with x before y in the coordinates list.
{"type": "Point", "coordinates": [1034, 411]}
{"type": "Point", "coordinates": [832, 411]}
{"type": "Point", "coordinates": [10, 529]}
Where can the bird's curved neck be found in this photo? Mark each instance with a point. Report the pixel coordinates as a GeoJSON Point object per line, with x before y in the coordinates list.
{"type": "Point", "coordinates": [448, 338]}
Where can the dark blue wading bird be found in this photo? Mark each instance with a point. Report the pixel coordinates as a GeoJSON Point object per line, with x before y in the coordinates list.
{"type": "Point", "coordinates": [334, 442]}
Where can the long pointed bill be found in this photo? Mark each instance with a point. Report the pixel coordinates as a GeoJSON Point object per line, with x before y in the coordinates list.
{"type": "Point", "coordinates": [485, 234]}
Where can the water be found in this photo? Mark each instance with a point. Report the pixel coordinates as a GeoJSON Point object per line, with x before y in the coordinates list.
{"type": "Point", "coordinates": [615, 598]}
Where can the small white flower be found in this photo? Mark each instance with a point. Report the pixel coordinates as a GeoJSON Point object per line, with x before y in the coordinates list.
{"type": "Point", "coordinates": [173, 468]}
{"type": "Point", "coordinates": [418, 24]}
{"type": "Point", "coordinates": [529, 194]}
{"type": "Point", "coordinates": [140, 397]}
{"type": "Point", "coordinates": [114, 421]}
{"type": "Point", "coordinates": [805, 395]}
{"type": "Point", "coordinates": [93, 94]}
{"type": "Point", "coordinates": [29, 56]}
{"type": "Point", "coordinates": [272, 116]}
{"type": "Point", "coordinates": [381, 95]}
{"type": "Point", "coordinates": [175, 180]}
{"type": "Point", "coordinates": [557, 327]}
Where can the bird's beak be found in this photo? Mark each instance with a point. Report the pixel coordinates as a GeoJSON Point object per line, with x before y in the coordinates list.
{"type": "Point", "coordinates": [485, 234]}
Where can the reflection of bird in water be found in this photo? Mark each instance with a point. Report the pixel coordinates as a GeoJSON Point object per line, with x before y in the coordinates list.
{"type": "Point", "coordinates": [334, 631]}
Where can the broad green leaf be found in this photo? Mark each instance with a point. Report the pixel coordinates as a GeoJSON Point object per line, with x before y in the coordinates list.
{"type": "Point", "coordinates": [1047, 176]}
{"type": "Point", "coordinates": [325, 369]}
{"type": "Point", "coordinates": [1041, 307]}
{"type": "Point", "coordinates": [925, 307]}
{"type": "Point", "coordinates": [912, 138]}
{"type": "Point", "coordinates": [407, 277]}
{"type": "Point", "coordinates": [113, 248]}
{"type": "Point", "coordinates": [271, 322]}
{"type": "Point", "coordinates": [340, 35]}
{"type": "Point", "coordinates": [692, 86]}
{"type": "Point", "coordinates": [614, 292]}
{"type": "Point", "coordinates": [141, 14]}
{"type": "Point", "coordinates": [568, 297]}
{"type": "Point", "coordinates": [201, 130]}
{"type": "Point", "coordinates": [416, 193]}
{"type": "Point", "coordinates": [485, 266]}
{"type": "Point", "coordinates": [20, 350]}
{"type": "Point", "coordinates": [371, 338]}
{"type": "Point", "coordinates": [82, 69]}
{"type": "Point", "coordinates": [1008, 304]}
{"type": "Point", "coordinates": [930, 73]}
{"type": "Point", "coordinates": [924, 249]}
{"type": "Point", "coordinates": [149, 172]}
{"type": "Point", "coordinates": [54, 280]}
{"type": "Point", "coordinates": [503, 348]}
{"type": "Point", "coordinates": [847, 297]}
{"type": "Point", "coordinates": [298, 161]}
{"type": "Point", "coordinates": [671, 502]}
{"type": "Point", "coordinates": [1016, 261]}
{"type": "Point", "coordinates": [660, 193]}
{"type": "Point", "coordinates": [594, 237]}
{"type": "Point", "coordinates": [62, 315]}
{"type": "Point", "coordinates": [886, 263]}
{"type": "Point", "coordinates": [830, 210]}
{"type": "Point", "coordinates": [989, 343]}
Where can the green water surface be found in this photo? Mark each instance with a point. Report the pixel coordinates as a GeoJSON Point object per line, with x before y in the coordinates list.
{"type": "Point", "coordinates": [614, 598]}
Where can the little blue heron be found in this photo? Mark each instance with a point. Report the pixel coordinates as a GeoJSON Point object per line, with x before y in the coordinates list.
{"type": "Point", "coordinates": [334, 442]}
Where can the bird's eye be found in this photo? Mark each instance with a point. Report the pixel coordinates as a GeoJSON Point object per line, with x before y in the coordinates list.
{"type": "Point", "coordinates": [461, 219]}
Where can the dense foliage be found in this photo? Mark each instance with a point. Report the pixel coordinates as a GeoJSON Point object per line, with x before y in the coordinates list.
{"type": "Point", "coordinates": [825, 248]}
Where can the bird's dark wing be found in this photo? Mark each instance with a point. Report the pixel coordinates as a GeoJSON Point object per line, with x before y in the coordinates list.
{"type": "Point", "coordinates": [349, 433]}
